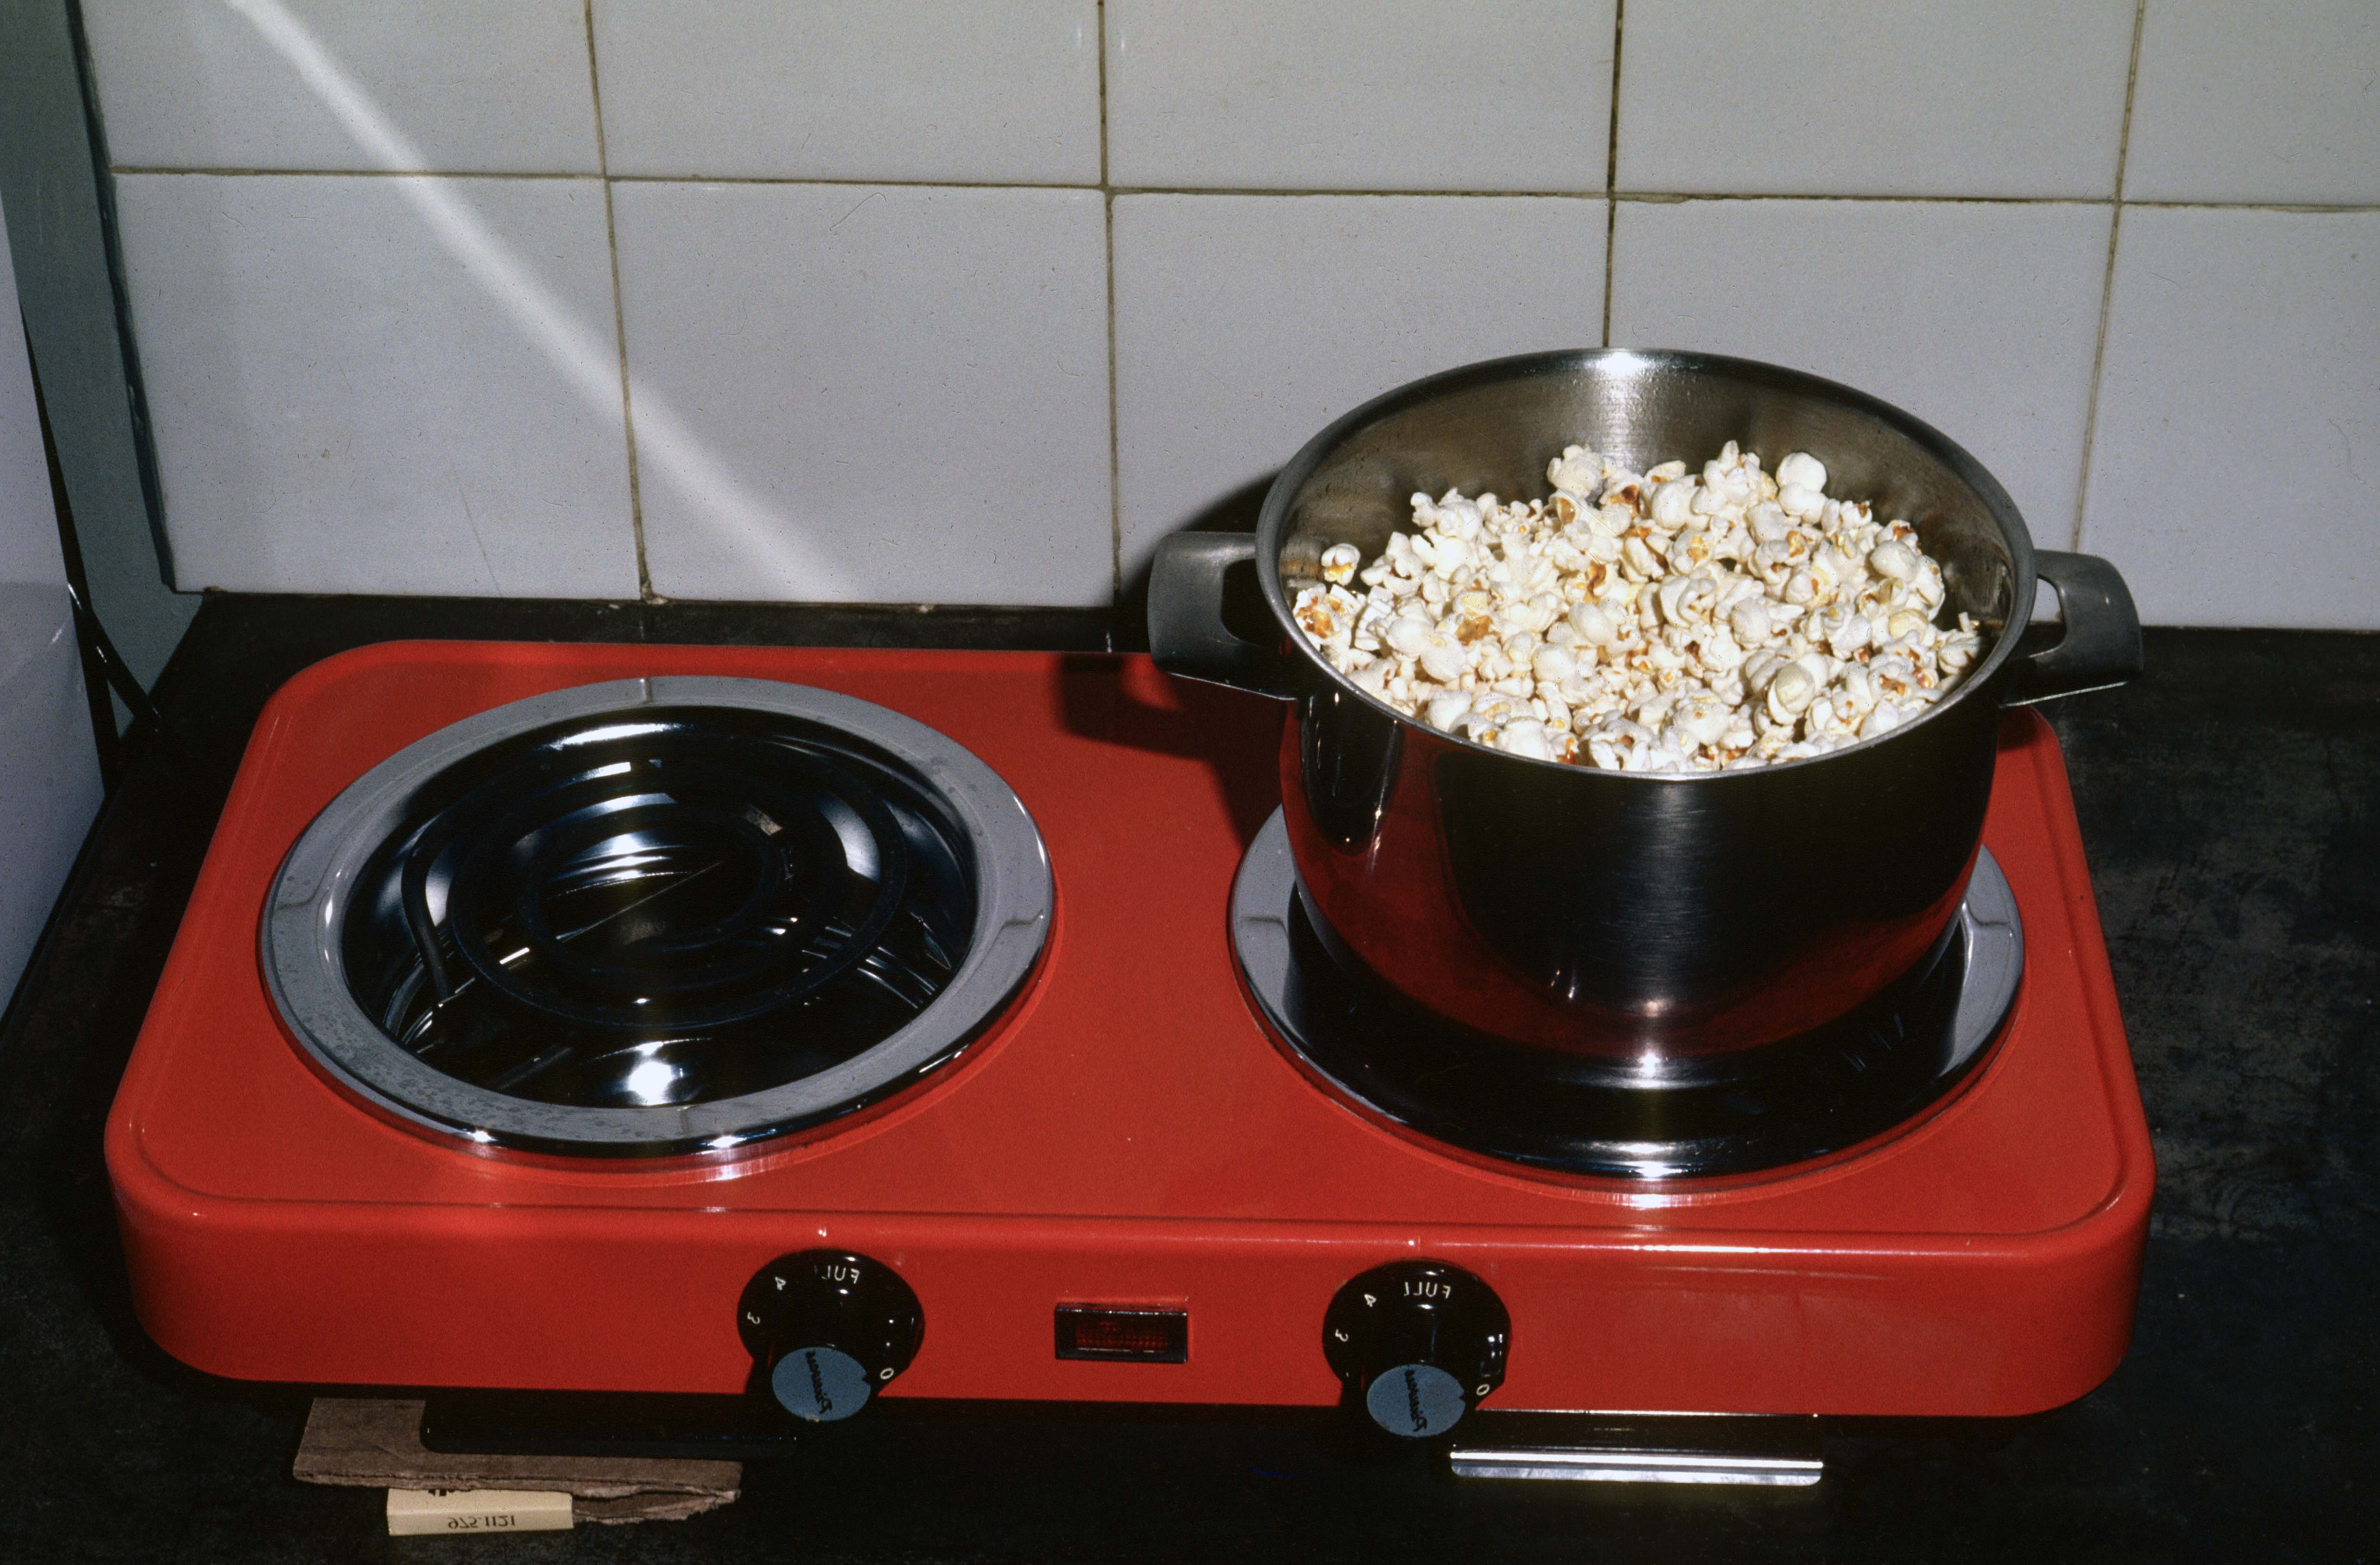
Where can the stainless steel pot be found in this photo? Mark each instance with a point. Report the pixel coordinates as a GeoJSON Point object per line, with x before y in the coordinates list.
{"type": "Point", "coordinates": [1666, 925]}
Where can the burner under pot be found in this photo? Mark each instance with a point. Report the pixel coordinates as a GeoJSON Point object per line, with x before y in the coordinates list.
{"type": "Point", "coordinates": [1834, 1087]}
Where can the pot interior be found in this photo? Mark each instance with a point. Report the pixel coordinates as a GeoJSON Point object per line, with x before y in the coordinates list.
{"type": "Point", "coordinates": [1495, 427]}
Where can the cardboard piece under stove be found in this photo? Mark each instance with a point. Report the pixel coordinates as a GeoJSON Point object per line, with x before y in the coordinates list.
{"type": "Point", "coordinates": [1127, 1135]}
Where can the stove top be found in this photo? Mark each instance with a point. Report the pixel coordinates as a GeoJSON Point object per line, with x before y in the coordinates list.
{"type": "Point", "coordinates": [1104, 1177]}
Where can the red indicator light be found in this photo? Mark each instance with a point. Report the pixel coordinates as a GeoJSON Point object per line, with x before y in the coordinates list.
{"type": "Point", "coordinates": [1144, 1336]}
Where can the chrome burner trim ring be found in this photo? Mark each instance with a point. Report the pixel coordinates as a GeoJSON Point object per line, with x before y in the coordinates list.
{"type": "Point", "coordinates": [300, 935]}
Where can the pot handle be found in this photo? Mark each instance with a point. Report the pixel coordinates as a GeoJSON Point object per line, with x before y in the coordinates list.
{"type": "Point", "coordinates": [1187, 633]}
{"type": "Point", "coordinates": [2101, 647]}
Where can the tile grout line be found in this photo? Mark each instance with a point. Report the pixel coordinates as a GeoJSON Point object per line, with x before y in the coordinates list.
{"type": "Point", "coordinates": [1687, 197]}
{"type": "Point", "coordinates": [2107, 281]}
{"type": "Point", "coordinates": [2311, 208]}
{"type": "Point", "coordinates": [1115, 423]}
{"type": "Point", "coordinates": [1647, 197]}
{"type": "Point", "coordinates": [232, 173]}
{"type": "Point", "coordinates": [1611, 167]}
{"type": "Point", "coordinates": [619, 316]}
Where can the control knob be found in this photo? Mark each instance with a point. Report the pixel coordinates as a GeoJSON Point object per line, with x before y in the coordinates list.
{"type": "Point", "coordinates": [827, 1330]}
{"type": "Point", "coordinates": [1418, 1343]}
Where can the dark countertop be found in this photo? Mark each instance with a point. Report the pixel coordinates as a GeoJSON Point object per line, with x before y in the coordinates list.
{"type": "Point", "coordinates": [2230, 802]}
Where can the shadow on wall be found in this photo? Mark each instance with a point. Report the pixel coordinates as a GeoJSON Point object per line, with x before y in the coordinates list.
{"type": "Point", "coordinates": [1186, 717]}
{"type": "Point", "coordinates": [1235, 511]}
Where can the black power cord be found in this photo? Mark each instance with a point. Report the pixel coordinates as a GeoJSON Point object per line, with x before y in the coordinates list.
{"type": "Point", "coordinates": [103, 668]}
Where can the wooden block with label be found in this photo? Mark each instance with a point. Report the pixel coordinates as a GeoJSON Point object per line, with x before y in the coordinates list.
{"type": "Point", "coordinates": [376, 1443]}
{"type": "Point", "coordinates": [460, 1511]}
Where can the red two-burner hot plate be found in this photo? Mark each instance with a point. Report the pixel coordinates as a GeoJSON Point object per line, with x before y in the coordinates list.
{"type": "Point", "coordinates": [1107, 1180]}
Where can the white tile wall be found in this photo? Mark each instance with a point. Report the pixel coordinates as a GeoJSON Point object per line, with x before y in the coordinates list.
{"type": "Point", "coordinates": [454, 86]}
{"type": "Point", "coordinates": [2257, 103]}
{"type": "Point", "coordinates": [895, 393]}
{"type": "Point", "coordinates": [1245, 323]}
{"type": "Point", "coordinates": [2249, 343]}
{"type": "Point", "coordinates": [377, 384]}
{"type": "Point", "coordinates": [1979, 318]}
{"type": "Point", "coordinates": [874, 362]}
{"type": "Point", "coordinates": [1391, 95]}
{"type": "Point", "coordinates": [909, 89]}
{"type": "Point", "coordinates": [1874, 97]}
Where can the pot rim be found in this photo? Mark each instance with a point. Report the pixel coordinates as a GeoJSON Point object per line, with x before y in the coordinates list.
{"type": "Point", "coordinates": [1274, 516]}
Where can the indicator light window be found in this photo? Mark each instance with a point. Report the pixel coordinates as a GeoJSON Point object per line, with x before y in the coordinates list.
{"type": "Point", "coordinates": [1138, 1336]}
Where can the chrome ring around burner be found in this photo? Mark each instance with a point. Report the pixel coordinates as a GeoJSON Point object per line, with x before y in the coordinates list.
{"type": "Point", "coordinates": [305, 970]}
{"type": "Point", "coordinates": [1265, 895]}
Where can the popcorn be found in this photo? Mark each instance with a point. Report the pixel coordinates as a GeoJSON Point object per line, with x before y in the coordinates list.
{"type": "Point", "coordinates": [1802, 469]}
{"type": "Point", "coordinates": [1407, 634]}
{"type": "Point", "coordinates": [1525, 736]}
{"type": "Point", "coordinates": [1893, 558]}
{"type": "Point", "coordinates": [1442, 660]}
{"type": "Point", "coordinates": [1672, 621]}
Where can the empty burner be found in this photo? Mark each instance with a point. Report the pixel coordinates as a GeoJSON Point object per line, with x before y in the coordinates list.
{"type": "Point", "coordinates": [652, 917]}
